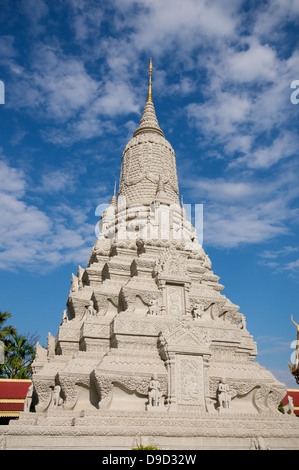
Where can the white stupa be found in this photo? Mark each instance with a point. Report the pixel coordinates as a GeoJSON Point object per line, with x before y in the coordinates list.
{"type": "Point", "coordinates": [149, 349]}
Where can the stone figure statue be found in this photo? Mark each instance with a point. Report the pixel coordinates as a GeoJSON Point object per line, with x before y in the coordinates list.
{"type": "Point", "coordinates": [56, 398]}
{"type": "Point", "coordinates": [289, 407]}
{"type": "Point", "coordinates": [90, 310]}
{"type": "Point", "coordinates": [197, 311]}
{"type": "Point", "coordinates": [224, 397]}
{"type": "Point", "coordinates": [155, 393]}
{"type": "Point", "coordinates": [64, 316]}
{"type": "Point", "coordinates": [28, 399]}
{"type": "Point", "coordinates": [242, 323]}
{"type": "Point", "coordinates": [153, 308]}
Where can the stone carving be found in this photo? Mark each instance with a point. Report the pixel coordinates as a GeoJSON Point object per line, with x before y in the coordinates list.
{"type": "Point", "coordinates": [242, 323]}
{"type": "Point", "coordinates": [183, 338]}
{"type": "Point", "coordinates": [259, 443]}
{"type": "Point", "coordinates": [175, 300]}
{"type": "Point", "coordinates": [28, 399]}
{"type": "Point", "coordinates": [224, 396]}
{"type": "Point", "coordinates": [154, 392]}
{"type": "Point", "coordinates": [90, 311]}
{"type": "Point", "coordinates": [43, 387]}
{"type": "Point", "coordinates": [57, 401]}
{"type": "Point", "coordinates": [74, 283]}
{"type": "Point", "coordinates": [197, 311]}
{"type": "Point", "coordinates": [2, 442]}
{"type": "Point", "coordinates": [289, 407]}
{"type": "Point", "coordinates": [64, 316]}
{"type": "Point", "coordinates": [68, 383]}
{"type": "Point", "coordinates": [190, 379]}
{"type": "Point", "coordinates": [80, 276]}
{"type": "Point", "coordinates": [153, 308]}
{"type": "Point", "coordinates": [40, 353]}
{"type": "Point", "coordinates": [50, 345]}
{"type": "Point", "coordinates": [172, 265]}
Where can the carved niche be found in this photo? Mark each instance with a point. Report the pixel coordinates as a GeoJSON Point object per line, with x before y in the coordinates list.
{"type": "Point", "coordinates": [190, 380]}
{"type": "Point", "coordinates": [186, 354]}
{"type": "Point", "coordinates": [175, 296]}
{"type": "Point", "coordinates": [173, 280]}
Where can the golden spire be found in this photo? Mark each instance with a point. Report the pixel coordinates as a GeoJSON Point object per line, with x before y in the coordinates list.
{"type": "Point", "coordinates": [149, 96]}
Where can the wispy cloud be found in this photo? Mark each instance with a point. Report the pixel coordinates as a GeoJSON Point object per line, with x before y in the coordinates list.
{"type": "Point", "coordinates": [32, 238]}
{"type": "Point", "coordinates": [241, 209]}
{"type": "Point", "coordinates": [283, 260]}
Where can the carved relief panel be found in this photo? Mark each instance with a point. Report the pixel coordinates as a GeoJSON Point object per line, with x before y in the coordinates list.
{"type": "Point", "coordinates": [190, 380]}
{"type": "Point", "coordinates": [175, 300]}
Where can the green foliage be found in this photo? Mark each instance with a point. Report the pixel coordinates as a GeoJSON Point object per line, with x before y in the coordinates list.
{"type": "Point", "coordinates": [5, 331]}
{"type": "Point", "coordinates": [19, 351]}
{"type": "Point", "coordinates": [280, 407]}
{"type": "Point", "coordinates": [146, 448]}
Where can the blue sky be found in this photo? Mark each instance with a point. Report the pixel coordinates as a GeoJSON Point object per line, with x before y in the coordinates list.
{"type": "Point", "coordinates": [76, 74]}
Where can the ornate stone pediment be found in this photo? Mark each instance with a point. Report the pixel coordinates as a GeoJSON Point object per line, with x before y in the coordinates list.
{"type": "Point", "coordinates": [183, 338]}
{"type": "Point", "coordinates": [172, 266]}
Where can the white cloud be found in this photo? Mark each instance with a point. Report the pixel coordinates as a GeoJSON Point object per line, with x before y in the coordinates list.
{"type": "Point", "coordinates": [273, 15]}
{"type": "Point", "coordinates": [20, 220]}
{"type": "Point", "coordinates": [115, 98]}
{"type": "Point", "coordinates": [11, 179]}
{"type": "Point", "coordinates": [86, 18]}
{"type": "Point", "coordinates": [257, 62]}
{"type": "Point", "coordinates": [161, 25]}
{"type": "Point", "coordinates": [35, 11]}
{"type": "Point", "coordinates": [292, 266]}
{"type": "Point", "coordinates": [30, 238]}
{"type": "Point", "coordinates": [273, 254]}
{"type": "Point", "coordinates": [245, 211]}
{"type": "Point", "coordinates": [56, 86]}
{"type": "Point", "coordinates": [284, 146]}
{"type": "Point", "coordinates": [279, 261]}
{"type": "Point", "coordinates": [220, 189]}
{"type": "Point", "coordinates": [57, 180]}
{"type": "Point", "coordinates": [232, 226]}
{"type": "Point", "coordinates": [7, 48]}
{"type": "Point", "coordinates": [246, 108]}
{"type": "Point", "coordinates": [62, 81]}
{"type": "Point", "coordinates": [221, 115]}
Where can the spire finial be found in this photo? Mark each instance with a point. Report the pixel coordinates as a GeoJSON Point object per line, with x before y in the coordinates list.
{"type": "Point", "coordinates": [113, 200]}
{"type": "Point", "coordinates": [150, 69]}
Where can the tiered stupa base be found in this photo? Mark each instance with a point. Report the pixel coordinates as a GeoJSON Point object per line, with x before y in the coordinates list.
{"type": "Point", "coordinates": [117, 430]}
